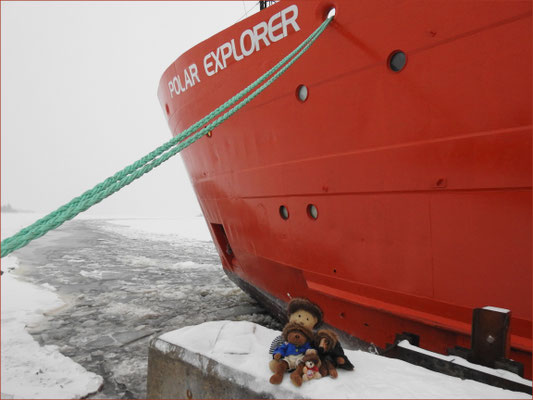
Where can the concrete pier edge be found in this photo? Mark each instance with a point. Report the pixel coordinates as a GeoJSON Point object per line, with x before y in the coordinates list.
{"type": "Point", "coordinates": [176, 372]}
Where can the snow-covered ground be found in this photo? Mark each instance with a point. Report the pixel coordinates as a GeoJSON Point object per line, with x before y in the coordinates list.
{"type": "Point", "coordinates": [241, 345]}
{"type": "Point", "coordinates": [27, 369]}
{"type": "Point", "coordinates": [96, 290]}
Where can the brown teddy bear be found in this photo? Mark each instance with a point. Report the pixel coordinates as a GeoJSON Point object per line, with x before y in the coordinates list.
{"type": "Point", "coordinates": [289, 354]}
{"type": "Point", "coordinates": [311, 365]}
{"type": "Point", "coordinates": [300, 311]}
{"type": "Point", "coordinates": [331, 353]}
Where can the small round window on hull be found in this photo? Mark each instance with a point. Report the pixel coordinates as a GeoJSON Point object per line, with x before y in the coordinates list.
{"type": "Point", "coordinates": [284, 212]}
{"type": "Point", "coordinates": [302, 93]}
{"type": "Point", "coordinates": [397, 60]}
{"type": "Point", "coordinates": [312, 211]}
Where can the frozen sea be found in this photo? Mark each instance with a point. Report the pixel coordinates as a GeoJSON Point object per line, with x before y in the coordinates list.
{"type": "Point", "coordinates": [115, 283]}
{"type": "Point", "coordinates": [80, 305]}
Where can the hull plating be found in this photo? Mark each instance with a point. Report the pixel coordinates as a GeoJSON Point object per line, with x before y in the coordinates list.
{"type": "Point", "coordinates": [421, 178]}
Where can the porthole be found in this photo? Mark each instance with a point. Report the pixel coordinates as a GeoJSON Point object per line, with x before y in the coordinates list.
{"type": "Point", "coordinates": [284, 212]}
{"type": "Point", "coordinates": [312, 211]}
{"type": "Point", "coordinates": [397, 60]}
{"type": "Point", "coordinates": [302, 93]}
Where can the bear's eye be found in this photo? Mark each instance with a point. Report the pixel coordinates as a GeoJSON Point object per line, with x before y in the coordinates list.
{"type": "Point", "coordinates": [307, 319]}
{"type": "Point", "coordinates": [299, 316]}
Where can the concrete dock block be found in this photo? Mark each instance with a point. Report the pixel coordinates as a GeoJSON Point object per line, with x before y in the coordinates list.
{"type": "Point", "coordinates": [229, 359]}
{"type": "Point", "coordinates": [177, 373]}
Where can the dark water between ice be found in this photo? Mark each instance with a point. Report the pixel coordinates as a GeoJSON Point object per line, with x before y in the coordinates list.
{"type": "Point", "coordinates": [122, 292]}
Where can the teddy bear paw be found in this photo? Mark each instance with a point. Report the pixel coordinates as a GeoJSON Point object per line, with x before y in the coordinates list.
{"type": "Point", "coordinates": [276, 379]}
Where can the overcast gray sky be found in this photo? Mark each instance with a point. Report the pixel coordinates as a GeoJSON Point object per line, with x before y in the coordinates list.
{"type": "Point", "coordinates": [78, 86]}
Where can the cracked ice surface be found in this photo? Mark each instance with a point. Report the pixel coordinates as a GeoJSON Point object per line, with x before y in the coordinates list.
{"type": "Point", "coordinates": [123, 281]}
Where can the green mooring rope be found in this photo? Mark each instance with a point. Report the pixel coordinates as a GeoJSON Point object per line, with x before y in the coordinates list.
{"type": "Point", "coordinates": [156, 157]}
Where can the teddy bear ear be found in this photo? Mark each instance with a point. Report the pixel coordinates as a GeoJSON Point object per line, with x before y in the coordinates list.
{"type": "Point", "coordinates": [310, 351]}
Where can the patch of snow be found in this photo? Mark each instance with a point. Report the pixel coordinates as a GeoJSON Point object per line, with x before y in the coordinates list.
{"type": "Point", "coordinates": [241, 349]}
{"type": "Point", "coordinates": [497, 309]}
{"type": "Point", "coordinates": [465, 363]}
{"type": "Point", "coordinates": [123, 370]}
{"type": "Point", "coordinates": [27, 369]}
{"type": "Point", "coordinates": [139, 260]}
{"type": "Point", "coordinates": [192, 228]}
{"type": "Point", "coordinates": [132, 310]}
{"type": "Point", "coordinates": [91, 274]}
{"type": "Point", "coordinates": [75, 261]}
{"type": "Point", "coordinates": [9, 263]}
{"type": "Point", "coordinates": [235, 339]}
{"type": "Point", "coordinates": [194, 265]}
{"type": "Point", "coordinates": [49, 287]}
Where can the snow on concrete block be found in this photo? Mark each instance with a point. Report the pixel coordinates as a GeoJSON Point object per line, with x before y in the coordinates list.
{"type": "Point", "coordinates": [500, 373]}
{"type": "Point", "coordinates": [211, 360]}
{"type": "Point", "coordinates": [497, 309]}
{"type": "Point", "coordinates": [228, 359]}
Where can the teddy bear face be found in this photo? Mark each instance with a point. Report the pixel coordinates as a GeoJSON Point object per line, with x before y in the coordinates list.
{"type": "Point", "coordinates": [309, 364]}
{"type": "Point", "coordinates": [324, 345]}
{"type": "Point", "coordinates": [325, 341]}
{"type": "Point", "coordinates": [297, 338]}
{"type": "Point", "coordinates": [304, 318]}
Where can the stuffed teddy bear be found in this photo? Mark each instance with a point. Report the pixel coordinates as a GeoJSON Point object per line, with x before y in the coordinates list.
{"type": "Point", "coordinates": [288, 355]}
{"type": "Point", "coordinates": [311, 365]}
{"type": "Point", "coordinates": [331, 353]}
{"type": "Point", "coordinates": [300, 311]}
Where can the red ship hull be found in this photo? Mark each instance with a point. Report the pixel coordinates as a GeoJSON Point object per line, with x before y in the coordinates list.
{"type": "Point", "coordinates": [421, 178]}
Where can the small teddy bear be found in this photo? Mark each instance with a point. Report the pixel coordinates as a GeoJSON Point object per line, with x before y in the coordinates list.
{"type": "Point", "coordinates": [331, 353]}
{"type": "Point", "coordinates": [289, 354]}
{"type": "Point", "coordinates": [311, 363]}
